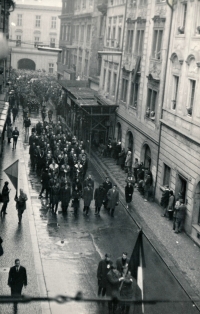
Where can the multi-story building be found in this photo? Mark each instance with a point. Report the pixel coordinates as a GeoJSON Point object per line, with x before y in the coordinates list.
{"type": "Point", "coordinates": [79, 39]}
{"type": "Point", "coordinates": [133, 71]}
{"type": "Point", "coordinates": [179, 157]}
{"type": "Point", "coordinates": [32, 23]}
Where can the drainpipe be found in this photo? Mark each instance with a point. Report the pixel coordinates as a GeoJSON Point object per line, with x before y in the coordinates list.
{"type": "Point", "coordinates": [122, 50]}
{"type": "Point", "coordinates": [163, 95]}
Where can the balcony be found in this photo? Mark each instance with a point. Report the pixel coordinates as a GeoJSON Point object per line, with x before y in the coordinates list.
{"type": "Point", "coordinates": [102, 6]}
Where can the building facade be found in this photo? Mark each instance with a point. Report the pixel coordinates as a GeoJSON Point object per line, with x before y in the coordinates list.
{"type": "Point", "coordinates": [31, 24]}
{"type": "Point", "coordinates": [79, 39]}
{"type": "Point", "coordinates": [179, 157]}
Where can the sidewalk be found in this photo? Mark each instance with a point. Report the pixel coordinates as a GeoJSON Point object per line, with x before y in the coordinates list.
{"type": "Point", "coordinates": [177, 250]}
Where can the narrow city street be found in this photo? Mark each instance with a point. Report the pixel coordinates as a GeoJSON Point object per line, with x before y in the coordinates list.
{"type": "Point", "coordinates": [71, 247]}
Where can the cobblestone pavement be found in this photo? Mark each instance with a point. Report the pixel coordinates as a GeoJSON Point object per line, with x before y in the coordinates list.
{"type": "Point", "coordinates": [68, 249]}
{"type": "Point", "coordinates": [176, 248]}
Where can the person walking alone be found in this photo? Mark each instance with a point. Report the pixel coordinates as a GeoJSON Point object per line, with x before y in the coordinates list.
{"type": "Point", "coordinates": [129, 189]}
{"type": "Point", "coordinates": [5, 198]}
{"type": "Point", "coordinates": [27, 124]}
{"type": "Point", "coordinates": [15, 135]}
{"type": "Point", "coordinates": [113, 199]}
{"type": "Point", "coordinates": [21, 204]}
{"type": "Point", "coordinates": [9, 132]}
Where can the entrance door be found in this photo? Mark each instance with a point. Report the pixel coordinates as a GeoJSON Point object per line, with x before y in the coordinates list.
{"type": "Point", "coordinates": [119, 132]}
{"type": "Point", "coordinates": [181, 186]}
{"type": "Point", "coordinates": [147, 157]}
{"type": "Point", "coordinates": [129, 141]}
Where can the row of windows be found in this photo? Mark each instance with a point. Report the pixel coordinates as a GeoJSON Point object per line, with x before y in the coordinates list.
{"type": "Point", "coordinates": [82, 4]}
{"type": "Point", "coordinates": [137, 45]}
{"type": "Point", "coordinates": [80, 32]}
{"type": "Point", "coordinates": [133, 2]}
{"type": "Point", "coordinates": [53, 21]}
{"type": "Point", "coordinates": [51, 43]}
{"type": "Point", "coordinates": [191, 95]}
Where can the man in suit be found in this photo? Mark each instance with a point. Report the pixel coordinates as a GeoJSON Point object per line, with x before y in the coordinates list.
{"type": "Point", "coordinates": [122, 263]}
{"type": "Point", "coordinates": [113, 199]}
{"type": "Point", "coordinates": [103, 269]}
{"type": "Point", "coordinates": [17, 278]}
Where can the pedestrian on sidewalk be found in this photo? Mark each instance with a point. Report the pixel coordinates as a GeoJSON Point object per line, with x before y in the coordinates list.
{"type": "Point", "coordinates": [5, 198]}
{"type": "Point", "coordinates": [129, 189]}
{"type": "Point", "coordinates": [76, 194]}
{"type": "Point", "coordinates": [102, 270]}
{"type": "Point", "coordinates": [180, 217]}
{"type": "Point", "coordinates": [128, 161]}
{"type": "Point", "coordinates": [135, 170]}
{"type": "Point", "coordinates": [107, 185]}
{"type": "Point", "coordinates": [165, 200]}
{"type": "Point", "coordinates": [99, 196]}
{"type": "Point", "coordinates": [9, 132]}
{"type": "Point", "coordinates": [177, 204]}
{"type": "Point", "coordinates": [15, 135]}
{"type": "Point", "coordinates": [21, 204]}
{"type": "Point", "coordinates": [14, 113]}
{"type": "Point", "coordinates": [87, 198]}
{"type": "Point", "coordinates": [27, 124]}
{"type": "Point", "coordinates": [122, 158]}
{"type": "Point", "coordinates": [113, 199]}
{"type": "Point", "coordinates": [147, 187]}
{"type": "Point", "coordinates": [171, 205]}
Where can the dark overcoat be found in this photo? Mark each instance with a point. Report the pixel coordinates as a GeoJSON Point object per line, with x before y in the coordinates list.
{"type": "Point", "coordinates": [65, 195]}
{"type": "Point", "coordinates": [129, 193]}
{"type": "Point", "coordinates": [99, 196]}
{"type": "Point", "coordinates": [87, 196]}
{"type": "Point", "coordinates": [113, 283]}
{"type": "Point", "coordinates": [113, 198]}
{"type": "Point", "coordinates": [17, 279]}
{"type": "Point", "coordinates": [102, 270]}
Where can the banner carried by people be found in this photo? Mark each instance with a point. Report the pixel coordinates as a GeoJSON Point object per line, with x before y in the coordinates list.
{"type": "Point", "coordinates": [12, 173]}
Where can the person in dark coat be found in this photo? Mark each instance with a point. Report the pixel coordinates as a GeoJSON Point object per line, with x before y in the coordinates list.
{"type": "Point", "coordinates": [113, 199]}
{"type": "Point", "coordinates": [87, 198]}
{"type": "Point", "coordinates": [65, 196]}
{"type": "Point", "coordinates": [15, 135]}
{"type": "Point", "coordinates": [1, 248]}
{"type": "Point", "coordinates": [55, 197]}
{"type": "Point", "coordinates": [127, 289]}
{"type": "Point", "coordinates": [102, 270]}
{"type": "Point", "coordinates": [88, 180]}
{"type": "Point", "coordinates": [171, 205]}
{"type": "Point", "coordinates": [9, 132]}
{"type": "Point", "coordinates": [21, 204]}
{"type": "Point", "coordinates": [5, 197]}
{"type": "Point", "coordinates": [99, 196]}
{"type": "Point", "coordinates": [107, 185]}
{"type": "Point", "coordinates": [180, 217]}
{"type": "Point", "coordinates": [122, 158]}
{"type": "Point", "coordinates": [147, 187]}
{"type": "Point", "coordinates": [76, 194]}
{"type": "Point", "coordinates": [122, 263]}
{"type": "Point", "coordinates": [17, 278]}
{"type": "Point", "coordinates": [129, 189]}
{"type": "Point", "coordinates": [165, 200]}
{"type": "Point", "coordinates": [112, 288]}
{"type": "Point", "coordinates": [45, 183]}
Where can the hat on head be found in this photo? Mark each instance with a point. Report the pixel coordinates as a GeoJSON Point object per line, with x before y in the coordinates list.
{"type": "Point", "coordinates": [107, 255]}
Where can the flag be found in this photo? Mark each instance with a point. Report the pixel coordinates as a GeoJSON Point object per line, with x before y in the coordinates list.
{"type": "Point", "coordinates": [136, 267]}
{"type": "Point", "coordinates": [12, 173]}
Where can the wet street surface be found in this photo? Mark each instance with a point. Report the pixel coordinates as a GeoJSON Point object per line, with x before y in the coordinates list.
{"type": "Point", "coordinates": [71, 247]}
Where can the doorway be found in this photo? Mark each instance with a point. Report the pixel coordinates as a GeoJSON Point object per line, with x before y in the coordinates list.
{"type": "Point", "coordinates": [119, 132]}
{"type": "Point", "coordinates": [147, 157]}
{"type": "Point", "coordinates": [181, 187]}
{"type": "Point", "coordinates": [129, 141]}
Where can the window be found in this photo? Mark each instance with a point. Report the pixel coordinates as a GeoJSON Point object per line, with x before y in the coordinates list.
{"type": "Point", "coordinates": [84, 4]}
{"type": "Point", "coordinates": [129, 41]}
{"type": "Point", "coordinates": [37, 40]}
{"type": "Point", "coordinates": [101, 28]}
{"type": "Point", "coordinates": [151, 103]}
{"type": "Point", "coordinates": [88, 32]}
{"type": "Point", "coordinates": [175, 91]}
{"type": "Point", "coordinates": [67, 57]}
{"type": "Point", "coordinates": [37, 20]}
{"type": "Point", "coordinates": [108, 81]}
{"type": "Point", "coordinates": [77, 32]}
{"type": "Point", "coordinates": [108, 37]}
{"type": "Point", "coordinates": [139, 42]}
{"type": "Point", "coordinates": [86, 63]}
{"type": "Point", "coordinates": [114, 83]}
{"type": "Point", "coordinates": [18, 40]}
{"type": "Point", "coordinates": [124, 89]}
{"type": "Point", "coordinates": [113, 37]}
{"type": "Point", "coordinates": [19, 19]}
{"type": "Point", "coordinates": [143, 2]}
{"type": "Point", "coordinates": [52, 42]}
{"type": "Point", "coordinates": [191, 97]}
{"type": "Point", "coordinates": [104, 78]}
{"type": "Point", "coordinates": [157, 43]}
{"type": "Point", "coordinates": [51, 67]}
{"type": "Point", "coordinates": [182, 20]}
{"type": "Point", "coordinates": [134, 94]}
{"type": "Point", "coordinates": [166, 175]}
{"type": "Point", "coordinates": [82, 32]}
{"type": "Point", "coordinates": [53, 22]}
{"type": "Point", "coordinates": [119, 36]}
{"type": "Point", "coordinates": [184, 14]}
